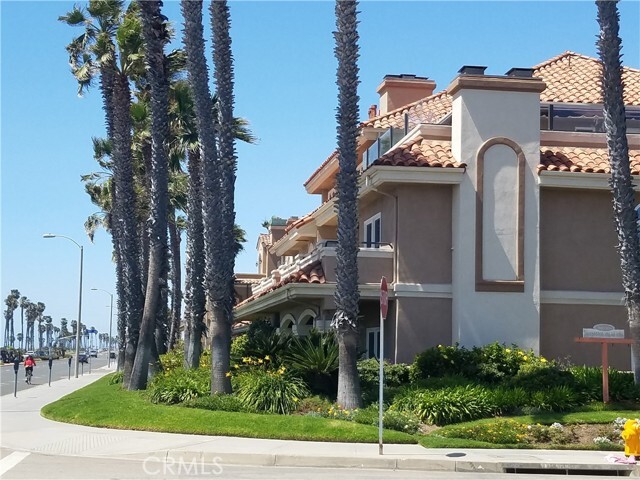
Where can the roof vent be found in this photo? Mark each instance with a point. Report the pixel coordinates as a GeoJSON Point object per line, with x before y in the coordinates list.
{"type": "Point", "coordinates": [520, 72]}
{"type": "Point", "coordinates": [406, 76]}
{"type": "Point", "coordinates": [472, 70]}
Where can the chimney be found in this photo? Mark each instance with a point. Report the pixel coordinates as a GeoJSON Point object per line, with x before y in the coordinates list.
{"type": "Point", "coordinates": [520, 72]}
{"type": "Point", "coordinates": [399, 90]}
{"type": "Point", "coordinates": [373, 111]}
{"type": "Point", "coordinates": [472, 70]}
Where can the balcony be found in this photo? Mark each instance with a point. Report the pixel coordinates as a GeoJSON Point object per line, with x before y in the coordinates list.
{"type": "Point", "coordinates": [374, 262]}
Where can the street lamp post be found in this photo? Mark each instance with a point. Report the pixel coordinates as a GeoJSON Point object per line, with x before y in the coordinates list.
{"type": "Point", "coordinates": [110, 322]}
{"type": "Point", "coordinates": [77, 362]}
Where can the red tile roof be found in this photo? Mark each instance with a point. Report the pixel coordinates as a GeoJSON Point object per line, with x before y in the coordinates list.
{"type": "Point", "coordinates": [421, 152]}
{"type": "Point", "coordinates": [585, 160]}
{"type": "Point", "coordinates": [312, 273]}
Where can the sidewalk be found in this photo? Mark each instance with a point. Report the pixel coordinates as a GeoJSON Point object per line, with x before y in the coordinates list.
{"type": "Point", "coordinates": [24, 429]}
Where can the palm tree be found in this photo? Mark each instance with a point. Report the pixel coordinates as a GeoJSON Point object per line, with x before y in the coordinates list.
{"type": "Point", "coordinates": [223, 299]}
{"type": "Point", "coordinates": [609, 46]}
{"type": "Point", "coordinates": [213, 275]}
{"type": "Point", "coordinates": [20, 337]}
{"type": "Point", "coordinates": [12, 303]}
{"type": "Point", "coordinates": [32, 315]}
{"type": "Point", "coordinates": [345, 320]}
{"type": "Point", "coordinates": [40, 308]}
{"type": "Point", "coordinates": [74, 330]}
{"type": "Point", "coordinates": [110, 48]}
{"type": "Point", "coordinates": [24, 302]}
{"type": "Point", "coordinates": [48, 329]}
{"type": "Point", "coordinates": [156, 36]}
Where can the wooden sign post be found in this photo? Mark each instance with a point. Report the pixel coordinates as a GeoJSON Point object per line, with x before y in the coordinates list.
{"type": "Point", "coordinates": [604, 335]}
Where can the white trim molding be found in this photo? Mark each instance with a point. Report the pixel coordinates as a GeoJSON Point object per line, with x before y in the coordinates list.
{"type": "Point", "coordinates": [577, 297]}
{"type": "Point", "coordinates": [425, 290]}
{"type": "Point", "coordinates": [591, 181]}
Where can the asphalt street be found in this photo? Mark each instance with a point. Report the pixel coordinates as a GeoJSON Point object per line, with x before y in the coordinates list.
{"type": "Point", "coordinates": [59, 371]}
{"type": "Point", "coordinates": [16, 465]}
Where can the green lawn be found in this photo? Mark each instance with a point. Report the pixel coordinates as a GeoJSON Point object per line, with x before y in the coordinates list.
{"type": "Point", "coordinates": [103, 405]}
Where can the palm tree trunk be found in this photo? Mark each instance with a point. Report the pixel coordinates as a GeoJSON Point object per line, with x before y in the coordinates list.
{"type": "Point", "coordinates": [609, 48]}
{"type": "Point", "coordinates": [125, 216]}
{"type": "Point", "coordinates": [222, 318]}
{"type": "Point", "coordinates": [345, 320]}
{"type": "Point", "coordinates": [155, 35]}
{"type": "Point", "coordinates": [176, 282]}
{"type": "Point", "coordinates": [213, 276]}
{"type": "Point", "coordinates": [22, 327]}
{"type": "Point", "coordinates": [195, 266]}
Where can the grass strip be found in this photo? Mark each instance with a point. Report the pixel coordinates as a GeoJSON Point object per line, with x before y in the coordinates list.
{"type": "Point", "coordinates": [109, 406]}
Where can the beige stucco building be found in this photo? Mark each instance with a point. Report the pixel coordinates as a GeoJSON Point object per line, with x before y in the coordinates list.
{"type": "Point", "coordinates": [487, 208]}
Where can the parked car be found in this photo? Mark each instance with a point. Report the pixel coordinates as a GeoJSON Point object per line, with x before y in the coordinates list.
{"type": "Point", "coordinates": [93, 353]}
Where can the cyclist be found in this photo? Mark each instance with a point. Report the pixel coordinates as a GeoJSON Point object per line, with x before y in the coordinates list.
{"type": "Point", "coordinates": [29, 363]}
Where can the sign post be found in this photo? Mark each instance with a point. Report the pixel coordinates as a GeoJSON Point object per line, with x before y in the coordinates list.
{"type": "Point", "coordinates": [384, 307]}
{"type": "Point", "coordinates": [604, 334]}
{"type": "Point", "coordinates": [16, 367]}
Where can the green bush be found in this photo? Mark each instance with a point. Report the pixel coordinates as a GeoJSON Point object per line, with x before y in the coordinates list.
{"type": "Point", "coordinates": [436, 383]}
{"type": "Point", "coordinates": [556, 399]}
{"type": "Point", "coordinates": [449, 405]}
{"type": "Point", "coordinates": [239, 347]}
{"type": "Point", "coordinates": [219, 401]}
{"type": "Point", "coordinates": [174, 358]}
{"type": "Point", "coordinates": [179, 385]}
{"type": "Point", "coordinates": [510, 401]}
{"type": "Point", "coordinates": [273, 345]}
{"type": "Point", "coordinates": [502, 432]}
{"type": "Point", "coordinates": [314, 358]}
{"type": "Point", "coordinates": [314, 404]}
{"type": "Point", "coordinates": [270, 391]}
{"type": "Point", "coordinates": [116, 378]}
{"type": "Point", "coordinates": [444, 360]}
{"type": "Point", "coordinates": [588, 383]}
{"type": "Point", "coordinates": [392, 419]}
{"type": "Point", "coordinates": [540, 376]}
{"type": "Point", "coordinates": [395, 376]}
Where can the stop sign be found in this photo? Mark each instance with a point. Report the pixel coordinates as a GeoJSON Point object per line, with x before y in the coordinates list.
{"type": "Point", "coordinates": [384, 298]}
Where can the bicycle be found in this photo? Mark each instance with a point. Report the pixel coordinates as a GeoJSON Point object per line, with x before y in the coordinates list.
{"type": "Point", "coordinates": [29, 374]}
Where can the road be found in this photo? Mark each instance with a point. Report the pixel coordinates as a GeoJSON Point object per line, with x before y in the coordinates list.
{"type": "Point", "coordinates": [59, 370]}
{"type": "Point", "coordinates": [21, 465]}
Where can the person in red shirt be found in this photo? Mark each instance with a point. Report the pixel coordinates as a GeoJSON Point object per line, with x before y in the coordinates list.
{"type": "Point", "coordinates": [29, 363]}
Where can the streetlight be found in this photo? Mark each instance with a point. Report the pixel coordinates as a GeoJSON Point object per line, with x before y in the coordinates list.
{"type": "Point", "coordinates": [110, 321]}
{"type": "Point", "coordinates": [53, 235]}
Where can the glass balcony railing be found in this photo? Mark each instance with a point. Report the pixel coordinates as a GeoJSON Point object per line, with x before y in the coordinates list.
{"type": "Point", "coordinates": [383, 144]}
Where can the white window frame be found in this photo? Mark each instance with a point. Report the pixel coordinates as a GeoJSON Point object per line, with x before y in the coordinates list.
{"type": "Point", "coordinates": [376, 332]}
{"type": "Point", "coordinates": [372, 242]}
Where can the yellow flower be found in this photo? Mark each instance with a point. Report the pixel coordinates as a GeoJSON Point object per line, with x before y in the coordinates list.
{"type": "Point", "coordinates": [508, 350]}
{"type": "Point", "coordinates": [525, 358]}
{"type": "Point", "coordinates": [346, 412]}
{"type": "Point", "coordinates": [228, 374]}
{"type": "Point", "coordinates": [295, 399]}
{"type": "Point", "coordinates": [236, 366]}
{"type": "Point", "coordinates": [267, 357]}
{"type": "Point", "coordinates": [543, 360]}
{"type": "Point", "coordinates": [259, 360]}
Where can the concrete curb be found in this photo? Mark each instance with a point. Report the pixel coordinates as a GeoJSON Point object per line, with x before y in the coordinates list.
{"type": "Point", "coordinates": [391, 462]}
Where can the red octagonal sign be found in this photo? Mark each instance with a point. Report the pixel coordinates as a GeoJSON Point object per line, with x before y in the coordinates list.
{"type": "Point", "coordinates": [384, 298]}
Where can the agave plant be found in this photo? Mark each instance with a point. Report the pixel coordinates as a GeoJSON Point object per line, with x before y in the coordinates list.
{"type": "Point", "coordinates": [315, 359]}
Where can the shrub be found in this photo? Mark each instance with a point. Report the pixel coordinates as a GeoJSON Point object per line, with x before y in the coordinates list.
{"type": "Point", "coordinates": [179, 385]}
{"type": "Point", "coordinates": [395, 375]}
{"type": "Point", "coordinates": [273, 345]}
{"type": "Point", "coordinates": [219, 401]}
{"type": "Point", "coordinates": [174, 358]}
{"type": "Point", "coordinates": [509, 401]}
{"type": "Point", "coordinates": [542, 375]}
{"type": "Point", "coordinates": [392, 419]}
{"type": "Point", "coordinates": [557, 399]}
{"type": "Point", "coordinates": [435, 383]}
{"type": "Point", "coordinates": [497, 362]}
{"type": "Point", "coordinates": [556, 433]}
{"type": "Point", "coordinates": [239, 347]}
{"type": "Point", "coordinates": [116, 378]}
{"type": "Point", "coordinates": [588, 383]}
{"type": "Point", "coordinates": [503, 432]}
{"type": "Point", "coordinates": [270, 391]}
{"type": "Point", "coordinates": [315, 359]}
{"type": "Point", "coordinates": [444, 360]}
{"type": "Point", "coordinates": [449, 405]}
{"type": "Point", "coordinates": [315, 404]}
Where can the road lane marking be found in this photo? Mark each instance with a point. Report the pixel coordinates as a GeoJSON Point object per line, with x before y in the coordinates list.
{"type": "Point", "coordinates": [11, 460]}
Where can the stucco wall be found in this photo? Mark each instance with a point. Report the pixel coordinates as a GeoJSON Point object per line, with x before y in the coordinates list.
{"type": "Point", "coordinates": [577, 241]}
{"type": "Point", "coordinates": [560, 324]}
{"type": "Point", "coordinates": [424, 234]}
{"type": "Point", "coordinates": [422, 323]}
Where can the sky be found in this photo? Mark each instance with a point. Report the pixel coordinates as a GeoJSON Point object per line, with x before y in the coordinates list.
{"type": "Point", "coordinates": [285, 86]}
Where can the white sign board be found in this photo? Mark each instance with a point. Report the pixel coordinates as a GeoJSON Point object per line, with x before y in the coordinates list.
{"type": "Point", "coordinates": [602, 330]}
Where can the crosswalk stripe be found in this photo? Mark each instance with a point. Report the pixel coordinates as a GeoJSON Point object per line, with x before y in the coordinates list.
{"type": "Point", "coordinates": [11, 460]}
